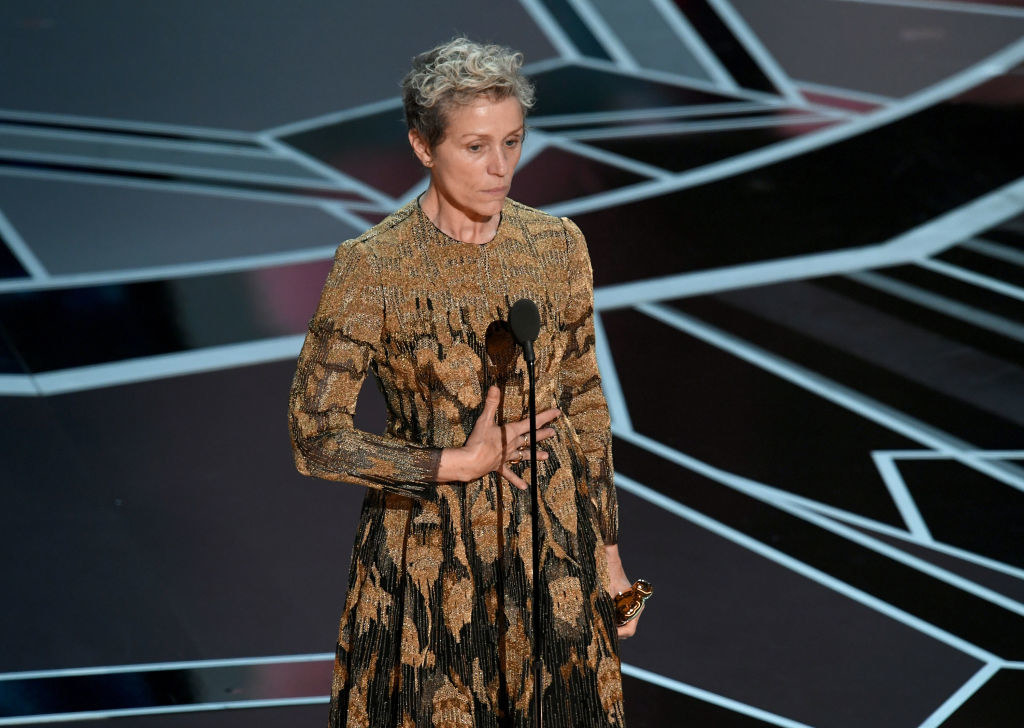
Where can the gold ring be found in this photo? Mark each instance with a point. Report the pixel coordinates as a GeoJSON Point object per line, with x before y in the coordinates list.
{"type": "Point", "coordinates": [518, 459]}
{"type": "Point", "coordinates": [526, 439]}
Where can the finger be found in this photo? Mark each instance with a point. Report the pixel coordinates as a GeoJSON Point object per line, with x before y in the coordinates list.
{"type": "Point", "coordinates": [545, 433]}
{"type": "Point", "coordinates": [522, 443]}
{"type": "Point", "coordinates": [546, 416]}
{"type": "Point", "coordinates": [524, 454]}
{"type": "Point", "coordinates": [514, 479]}
{"type": "Point", "coordinates": [491, 400]}
{"type": "Point", "coordinates": [516, 430]}
{"type": "Point", "coordinates": [523, 426]}
{"type": "Point", "coordinates": [517, 438]}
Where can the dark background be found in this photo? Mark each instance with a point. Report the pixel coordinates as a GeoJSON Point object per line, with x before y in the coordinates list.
{"type": "Point", "coordinates": [806, 219]}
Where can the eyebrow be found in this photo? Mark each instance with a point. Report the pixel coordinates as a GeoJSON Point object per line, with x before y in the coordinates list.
{"type": "Point", "coordinates": [482, 134]}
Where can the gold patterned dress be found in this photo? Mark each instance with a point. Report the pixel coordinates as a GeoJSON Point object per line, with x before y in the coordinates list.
{"type": "Point", "coordinates": [436, 629]}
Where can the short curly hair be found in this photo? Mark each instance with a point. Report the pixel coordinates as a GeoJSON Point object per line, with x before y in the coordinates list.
{"type": "Point", "coordinates": [457, 72]}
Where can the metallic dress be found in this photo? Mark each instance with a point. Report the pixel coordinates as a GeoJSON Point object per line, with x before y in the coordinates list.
{"type": "Point", "coordinates": [436, 629]}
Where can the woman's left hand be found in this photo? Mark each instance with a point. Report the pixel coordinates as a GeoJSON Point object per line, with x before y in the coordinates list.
{"type": "Point", "coordinates": [619, 583]}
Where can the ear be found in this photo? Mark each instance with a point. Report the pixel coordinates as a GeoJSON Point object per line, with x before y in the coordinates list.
{"type": "Point", "coordinates": [420, 148]}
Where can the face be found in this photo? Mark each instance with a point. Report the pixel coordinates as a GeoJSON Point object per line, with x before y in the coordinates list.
{"type": "Point", "coordinates": [471, 168]}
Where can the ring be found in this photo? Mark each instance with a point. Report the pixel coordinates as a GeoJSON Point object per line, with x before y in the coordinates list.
{"type": "Point", "coordinates": [526, 439]}
{"type": "Point", "coordinates": [518, 459]}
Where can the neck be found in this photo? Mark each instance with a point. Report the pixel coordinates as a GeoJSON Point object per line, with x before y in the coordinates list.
{"type": "Point", "coordinates": [458, 223]}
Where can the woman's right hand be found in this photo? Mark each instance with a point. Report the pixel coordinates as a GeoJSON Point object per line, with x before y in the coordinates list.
{"type": "Point", "coordinates": [492, 447]}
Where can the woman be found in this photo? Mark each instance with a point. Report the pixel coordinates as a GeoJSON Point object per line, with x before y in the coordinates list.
{"type": "Point", "coordinates": [436, 629]}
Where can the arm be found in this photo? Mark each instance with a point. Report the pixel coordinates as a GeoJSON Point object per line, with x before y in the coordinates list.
{"type": "Point", "coordinates": [584, 402]}
{"type": "Point", "coordinates": [343, 338]}
{"type": "Point", "coordinates": [581, 398]}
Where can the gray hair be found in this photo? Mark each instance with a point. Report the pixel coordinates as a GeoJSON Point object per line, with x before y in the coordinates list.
{"type": "Point", "coordinates": [458, 72]}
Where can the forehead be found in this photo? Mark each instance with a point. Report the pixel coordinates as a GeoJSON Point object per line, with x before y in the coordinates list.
{"type": "Point", "coordinates": [485, 116]}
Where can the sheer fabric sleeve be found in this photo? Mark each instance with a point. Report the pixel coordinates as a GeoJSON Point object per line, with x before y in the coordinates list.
{"type": "Point", "coordinates": [581, 397]}
{"type": "Point", "coordinates": [343, 337]}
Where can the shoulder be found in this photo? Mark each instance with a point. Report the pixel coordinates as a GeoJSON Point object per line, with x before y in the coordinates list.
{"type": "Point", "coordinates": [540, 222]}
{"type": "Point", "coordinates": [390, 229]}
{"type": "Point", "coordinates": [378, 240]}
{"type": "Point", "coordinates": [531, 216]}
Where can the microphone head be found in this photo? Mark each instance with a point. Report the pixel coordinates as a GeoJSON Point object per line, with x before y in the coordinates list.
{"type": "Point", "coordinates": [524, 320]}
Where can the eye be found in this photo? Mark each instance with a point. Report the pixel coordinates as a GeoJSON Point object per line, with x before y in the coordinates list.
{"type": "Point", "coordinates": [512, 143]}
{"type": "Point", "coordinates": [475, 147]}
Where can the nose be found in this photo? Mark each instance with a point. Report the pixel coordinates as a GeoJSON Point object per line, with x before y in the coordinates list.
{"type": "Point", "coordinates": [499, 165]}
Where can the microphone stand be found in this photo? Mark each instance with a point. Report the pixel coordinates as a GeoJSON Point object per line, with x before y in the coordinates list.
{"type": "Point", "coordinates": [538, 657]}
{"type": "Point", "coordinates": [524, 320]}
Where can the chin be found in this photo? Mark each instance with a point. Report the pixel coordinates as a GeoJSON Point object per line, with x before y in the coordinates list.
{"type": "Point", "coordinates": [490, 208]}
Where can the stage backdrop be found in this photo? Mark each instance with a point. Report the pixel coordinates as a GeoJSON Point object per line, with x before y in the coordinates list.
{"type": "Point", "coordinates": [805, 220]}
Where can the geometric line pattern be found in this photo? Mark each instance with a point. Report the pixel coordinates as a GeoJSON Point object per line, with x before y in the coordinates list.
{"type": "Point", "coordinates": [606, 99]}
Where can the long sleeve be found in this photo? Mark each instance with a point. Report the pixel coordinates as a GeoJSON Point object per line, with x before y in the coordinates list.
{"type": "Point", "coordinates": [343, 337]}
{"type": "Point", "coordinates": [581, 397]}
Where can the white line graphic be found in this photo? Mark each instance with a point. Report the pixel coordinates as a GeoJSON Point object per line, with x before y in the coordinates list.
{"type": "Point", "coordinates": [32, 265]}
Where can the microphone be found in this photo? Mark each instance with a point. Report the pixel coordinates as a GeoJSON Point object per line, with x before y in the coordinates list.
{"type": "Point", "coordinates": [524, 320]}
